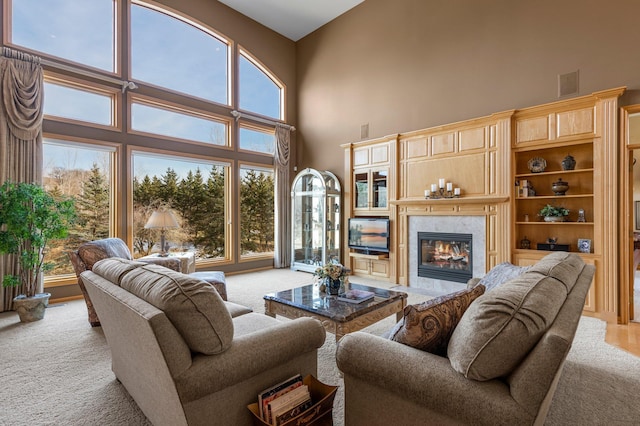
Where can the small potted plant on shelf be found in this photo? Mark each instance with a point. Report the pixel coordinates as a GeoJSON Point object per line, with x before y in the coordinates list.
{"type": "Point", "coordinates": [553, 214]}
{"type": "Point", "coordinates": [29, 218]}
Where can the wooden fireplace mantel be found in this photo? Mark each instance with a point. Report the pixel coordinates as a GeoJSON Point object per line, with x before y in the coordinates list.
{"type": "Point", "coordinates": [451, 201]}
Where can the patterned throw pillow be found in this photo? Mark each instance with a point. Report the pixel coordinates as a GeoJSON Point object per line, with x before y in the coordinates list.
{"type": "Point", "coordinates": [500, 274]}
{"type": "Point", "coordinates": [428, 326]}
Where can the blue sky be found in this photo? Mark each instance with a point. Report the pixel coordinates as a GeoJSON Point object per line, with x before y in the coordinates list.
{"type": "Point", "coordinates": [165, 52]}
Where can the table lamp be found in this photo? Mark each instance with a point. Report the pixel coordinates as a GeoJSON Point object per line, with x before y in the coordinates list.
{"type": "Point", "coordinates": [162, 219]}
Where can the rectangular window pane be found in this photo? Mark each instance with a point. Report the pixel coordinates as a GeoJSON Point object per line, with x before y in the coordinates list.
{"type": "Point", "coordinates": [164, 122]}
{"type": "Point", "coordinates": [257, 140]}
{"type": "Point", "coordinates": [76, 104]}
{"type": "Point", "coordinates": [77, 30]}
{"type": "Point", "coordinates": [84, 173]}
{"type": "Point", "coordinates": [194, 190]}
{"type": "Point", "coordinates": [256, 210]}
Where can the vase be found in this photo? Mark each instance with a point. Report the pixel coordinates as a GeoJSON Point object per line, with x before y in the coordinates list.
{"type": "Point", "coordinates": [559, 187]}
{"type": "Point", "coordinates": [333, 286]}
{"type": "Point", "coordinates": [569, 163]}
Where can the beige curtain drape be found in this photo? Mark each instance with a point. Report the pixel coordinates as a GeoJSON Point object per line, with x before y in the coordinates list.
{"type": "Point", "coordinates": [21, 113]}
{"type": "Point", "coordinates": [282, 255]}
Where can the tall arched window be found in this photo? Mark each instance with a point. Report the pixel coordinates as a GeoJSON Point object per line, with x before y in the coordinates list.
{"type": "Point", "coordinates": [178, 55]}
{"type": "Point", "coordinates": [177, 116]}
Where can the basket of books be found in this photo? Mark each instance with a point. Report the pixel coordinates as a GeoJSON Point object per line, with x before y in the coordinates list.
{"type": "Point", "coordinates": [295, 402]}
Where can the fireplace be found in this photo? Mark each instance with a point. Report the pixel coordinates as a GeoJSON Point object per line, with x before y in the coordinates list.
{"type": "Point", "coordinates": [445, 256]}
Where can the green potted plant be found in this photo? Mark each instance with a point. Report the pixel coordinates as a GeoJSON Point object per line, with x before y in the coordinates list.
{"type": "Point", "coordinates": [553, 214]}
{"type": "Point", "coordinates": [29, 218]}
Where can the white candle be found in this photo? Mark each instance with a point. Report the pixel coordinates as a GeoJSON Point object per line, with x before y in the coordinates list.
{"type": "Point", "coordinates": [427, 193]}
{"type": "Point", "coordinates": [449, 186]}
{"type": "Point", "coordinates": [441, 182]}
{"type": "Point", "coordinates": [434, 187]}
{"type": "Point", "coordinates": [456, 191]}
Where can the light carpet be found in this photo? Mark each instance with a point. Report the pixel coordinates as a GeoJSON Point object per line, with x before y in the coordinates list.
{"type": "Point", "coordinates": [58, 371]}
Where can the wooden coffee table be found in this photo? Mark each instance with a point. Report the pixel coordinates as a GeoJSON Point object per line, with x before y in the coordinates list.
{"type": "Point", "coordinates": [337, 317]}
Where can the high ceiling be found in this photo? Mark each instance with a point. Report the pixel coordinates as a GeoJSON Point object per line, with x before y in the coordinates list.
{"type": "Point", "coordinates": [293, 19]}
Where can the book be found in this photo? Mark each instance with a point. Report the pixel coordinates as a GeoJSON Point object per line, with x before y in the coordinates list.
{"type": "Point", "coordinates": [288, 403]}
{"type": "Point", "coordinates": [268, 395]}
{"type": "Point", "coordinates": [356, 296]}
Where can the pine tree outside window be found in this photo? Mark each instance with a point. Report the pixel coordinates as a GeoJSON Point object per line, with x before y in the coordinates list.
{"type": "Point", "coordinates": [83, 172]}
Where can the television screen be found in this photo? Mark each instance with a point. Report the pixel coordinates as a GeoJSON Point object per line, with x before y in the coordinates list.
{"type": "Point", "coordinates": [369, 234]}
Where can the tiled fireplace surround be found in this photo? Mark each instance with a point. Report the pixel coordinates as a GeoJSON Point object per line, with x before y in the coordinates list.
{"type": "Point", "coordinates": [474, 225]}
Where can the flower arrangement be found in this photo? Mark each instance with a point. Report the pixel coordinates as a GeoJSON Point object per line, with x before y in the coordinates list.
{"type": "Point", "coordinates": [333, 275]}
{"type": "Point", "coordinates": [331, 270]}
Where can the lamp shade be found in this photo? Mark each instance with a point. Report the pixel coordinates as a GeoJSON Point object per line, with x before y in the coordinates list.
{"type": "Point", "coordinates": [162, 219]}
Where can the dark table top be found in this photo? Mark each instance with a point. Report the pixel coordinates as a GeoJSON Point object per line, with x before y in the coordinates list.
{"type": "Point", "coordinates": [311, 299]}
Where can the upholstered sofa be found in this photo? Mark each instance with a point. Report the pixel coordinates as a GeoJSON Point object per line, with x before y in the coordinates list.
{"type": "Point", "coordinates": [185, 355]}
{"type": "Point", "coordinates": [502, 362]}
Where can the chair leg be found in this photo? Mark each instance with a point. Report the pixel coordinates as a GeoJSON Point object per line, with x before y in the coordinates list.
{"type": "Point", "coordinates": [93, 316]}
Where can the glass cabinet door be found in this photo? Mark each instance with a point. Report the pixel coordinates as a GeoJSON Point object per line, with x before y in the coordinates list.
{"type": "Point", "coordinates": [370, 188]}
{"type": "Point", "coordinates": [379, 188]}
{"type": "Point", "coordinates": [315, 220]}
{"type": "Point", "coordinates": [361, 181]}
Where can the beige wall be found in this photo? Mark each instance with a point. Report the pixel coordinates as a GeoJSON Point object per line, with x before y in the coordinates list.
{"type": "Point", "coordinates": [410, 64]}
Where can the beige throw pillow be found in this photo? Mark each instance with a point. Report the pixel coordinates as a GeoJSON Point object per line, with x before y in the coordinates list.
{"type": "Point", "coordinates": [428, 326]}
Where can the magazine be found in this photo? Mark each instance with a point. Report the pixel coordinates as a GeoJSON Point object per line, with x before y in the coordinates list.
{"type": "Point", "coordinates": [356, 296]}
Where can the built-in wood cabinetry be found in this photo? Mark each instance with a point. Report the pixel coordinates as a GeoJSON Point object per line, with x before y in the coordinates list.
{"type": "Point", "coordinates": [487, 157]}
{"type": "Point", "coordinates": [369, 187]}
{"type": "Point", "coordinates": [376, 266]}
{"type": "Point", "coordinates": [584, 128]}
{"type": "Point", "coordinates": [370, 167]}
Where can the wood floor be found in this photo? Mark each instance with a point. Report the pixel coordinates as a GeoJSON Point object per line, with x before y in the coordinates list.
{"type": "Point", "coordinates": [625, 337]}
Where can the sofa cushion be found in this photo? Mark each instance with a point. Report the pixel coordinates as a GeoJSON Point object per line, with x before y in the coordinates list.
{"type": "Point", "coordinates": [429, 325]}
{"type": "Point", "coordinates": [500, 274]}
{"type": "Point", "coordinates": [193, 306]}
{"type": "Point", "coordinates": [502, 326]}
{"type": "Point", "coordinates": [93, 251]}
{"type": "Point", "coordinates": [114, 269]}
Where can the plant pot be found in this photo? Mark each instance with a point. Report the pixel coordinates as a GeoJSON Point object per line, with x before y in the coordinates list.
{"type": "Point", "coordinates": [554, 218]}
{"type": "Point", "coordinates": [31, 308]}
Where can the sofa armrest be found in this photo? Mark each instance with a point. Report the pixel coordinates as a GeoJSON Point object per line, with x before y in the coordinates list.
{"type": "Point", "coordinates": [425, 379]}
{"type": "Point", "coordinates": [250, 355]}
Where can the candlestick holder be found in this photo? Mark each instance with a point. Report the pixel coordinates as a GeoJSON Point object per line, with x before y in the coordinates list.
{"type": "Point", "coordinates": [442, 193]}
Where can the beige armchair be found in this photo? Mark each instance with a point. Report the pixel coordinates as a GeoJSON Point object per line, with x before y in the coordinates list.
{"type": "Point", "coordinates": [503, 361]}
{"type": "Point", "coordinates": [91, 252]}
{"type": "Point", "coordinates": [181, 354]}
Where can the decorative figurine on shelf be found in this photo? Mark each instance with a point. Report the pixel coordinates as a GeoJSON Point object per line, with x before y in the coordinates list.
{"type": "Point", "coordinates": [569, 163]}
{"type": "Point", "coordinates": [537, 165]}
{"type": "Point", "coordinates": [581, 217]}
{"type": "Point", "coordinates": [559, 187]}
{"type": "Point", "coordinates": [525, 243]}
